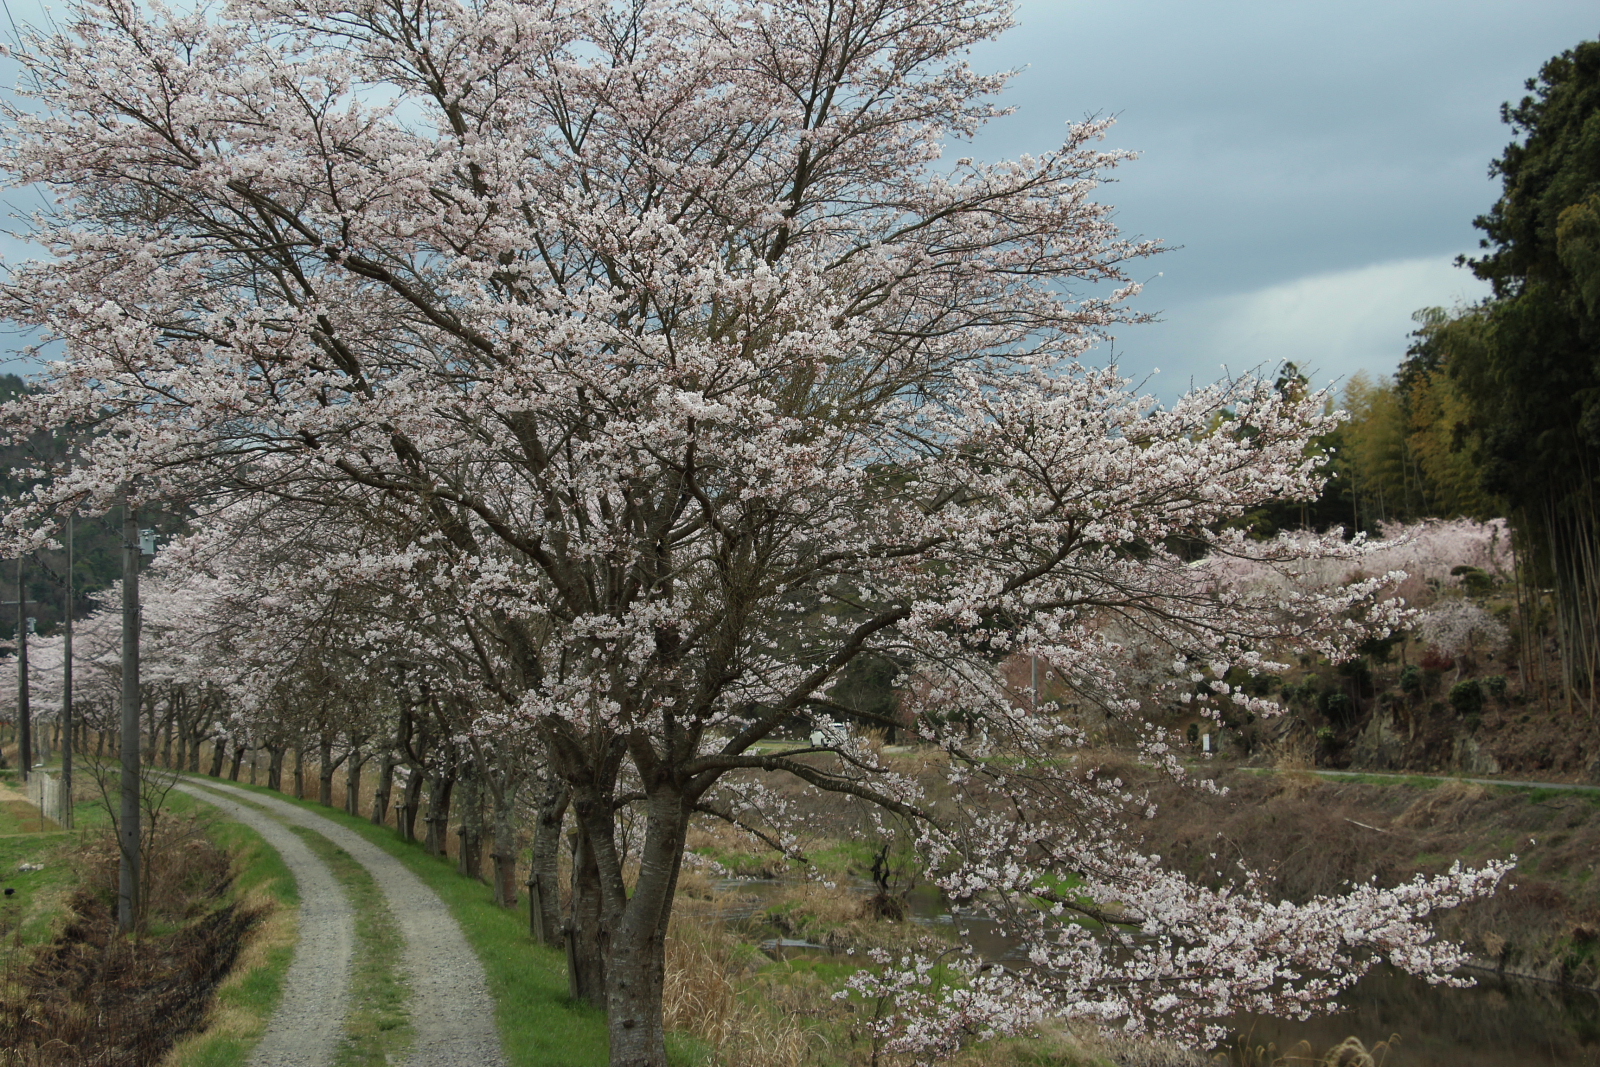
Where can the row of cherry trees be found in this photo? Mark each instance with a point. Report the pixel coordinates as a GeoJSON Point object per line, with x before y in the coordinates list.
{"type": "Point", "coordinates": [581, 388]}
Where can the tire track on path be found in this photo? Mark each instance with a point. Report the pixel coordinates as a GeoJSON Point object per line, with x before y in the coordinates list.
{"type": "Point", "coordinates": [450, 1006]}
{"type": "Point", "coordinates": [310, 1018]}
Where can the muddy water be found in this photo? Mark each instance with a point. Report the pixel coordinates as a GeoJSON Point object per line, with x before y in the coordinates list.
{"type": "Point", "coordinates": [1497, 1023]}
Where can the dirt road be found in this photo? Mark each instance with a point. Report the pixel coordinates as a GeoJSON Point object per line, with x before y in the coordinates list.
{"type": "Point", "coordinates": [310, 1018]}
{"type": "Point", "coordinates": [452, 1014]}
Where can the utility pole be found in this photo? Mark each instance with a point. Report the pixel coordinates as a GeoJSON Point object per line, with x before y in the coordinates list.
{"type": "Point", "coordinates": [128, 827]}
{"type": "Point", "coordinates": [24, 712]}
{"type": "Point", "coordinates": [66, 690]}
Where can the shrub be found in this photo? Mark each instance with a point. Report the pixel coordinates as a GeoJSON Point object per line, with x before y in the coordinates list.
{"type": "Point", "coordinates": [1337, 706]}
{"type": "Point", "coordinates": [1476, 582]}
{"type": "Point", "coordinates": [1466, 697]}
{"type": "Point", "coordinates": [1411, 680]}
{"type": "Point", "coordinates": [1496, 686]}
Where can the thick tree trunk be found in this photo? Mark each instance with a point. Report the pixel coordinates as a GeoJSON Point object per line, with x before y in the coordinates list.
{"type": "Point", "coordinates": [219, 752]}
{"type": "Point", "coordinates": [585, 931]}
{"type": "Point", "coordinates": [469, 857]}
{"type": "Point", "coordinates": [440, 787]}
{"type": "Point", "coordinates": [411, 804]}
{"type": "Point", "coordinates": [238, 761]}
{"type": "Point", "coordinates": [505, 846]}
{"type": "Point", "coordinates": [380, 795]}
{"type": "Point", "coordinates": [546, 871]}
{"type": "Point", "coordinates": [299, 772]}
{"type": "Point", "coordinates": [352, 775]}
{"type": "Point", "coordinates": [636, 960]}
{"type": "Point", "coordinates": [275, 768]}
{"type": "Point", "coordinates": [197, 737]}
{"type": "Point", "coordinates": [325, 771]}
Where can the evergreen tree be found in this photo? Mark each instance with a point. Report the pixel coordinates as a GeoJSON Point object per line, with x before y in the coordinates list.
{"type": "Point", "coordinates": [1527, 363]}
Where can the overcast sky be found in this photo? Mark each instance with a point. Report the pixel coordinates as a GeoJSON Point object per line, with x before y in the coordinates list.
{"type": "Point", "coordinates": [1315, 165]}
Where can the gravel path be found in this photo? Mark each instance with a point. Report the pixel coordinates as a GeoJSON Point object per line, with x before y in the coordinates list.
{"type": "Point", "coordinates": [310, 1018]}
{"type": "Point", "coordinates": [451, 1011]}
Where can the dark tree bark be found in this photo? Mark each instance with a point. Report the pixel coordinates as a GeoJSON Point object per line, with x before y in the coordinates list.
{"type": "Point", "coordinates": [238, 761]}
{"type": "Point", "coordinates": [411, 804]}
{"type": "Point", "coordinates": [637, 929]}
{"type": "Point", "coordinates": [380, 795]}
{"type": "Point", "coordinates": [440, 786]}
{"type": "Point", "coordinates": [469, 834]}
{"type": "Point", "coordinates": [275, 768]}
{"type": "Point", "coordinates": [168, 728]}
{"type": "Point", "coordinates": [326, 769]}
{"type": "Point", "coordinates": [585, 929]}
{"type": "Point", "coordinates": [504, 853]}
{"type": "Point", "coordinates": [197, 737]}
{"type": "Point", "coordinates": [355, 760]}
{"type": "Point", "coordinates": [219, 752]}
{"type": "Point", "coordinates": [546, 864]}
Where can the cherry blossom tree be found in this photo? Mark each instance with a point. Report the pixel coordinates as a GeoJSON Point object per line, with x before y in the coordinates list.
{"type": "Point", "coordinates": [697, 370]}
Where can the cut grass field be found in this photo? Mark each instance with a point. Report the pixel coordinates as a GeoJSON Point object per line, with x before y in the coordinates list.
{"type": "Point", "coordinates": [539, 1025]}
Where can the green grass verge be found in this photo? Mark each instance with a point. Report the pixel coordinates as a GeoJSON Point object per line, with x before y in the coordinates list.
{"type": "Point", "coordinates": [540, 1026]}
{"type": "Point", "coordinates": [37, 897]}
{"type": "Point", "coordinates": [378, 1030]}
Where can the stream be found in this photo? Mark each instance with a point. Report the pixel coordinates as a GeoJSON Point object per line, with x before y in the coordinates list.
{"type": "Point", "coordinates": [1500, 1022]}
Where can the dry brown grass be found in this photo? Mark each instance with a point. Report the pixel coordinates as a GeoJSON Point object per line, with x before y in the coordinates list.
{"type": "Point", "coordinates": [1447, 806]}
{"type": "Point", "coordinates": [695, 884]}
{"type": "Point", "coordinates": [705, 969]}
{"type": "Point", "coordinates": [1350, 1052]}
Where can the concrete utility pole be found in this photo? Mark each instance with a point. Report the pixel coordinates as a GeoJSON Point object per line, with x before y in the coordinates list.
{"type": "Point", "coordinates": [24, 711]}
{"type": "Point", "coordinates": [128, 828]}
{"type": "Point", "coordinates": [66, 689]}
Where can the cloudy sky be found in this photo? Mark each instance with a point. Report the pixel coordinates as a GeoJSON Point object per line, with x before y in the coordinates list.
{"type": "Point", "coordinates": [1315, 165]}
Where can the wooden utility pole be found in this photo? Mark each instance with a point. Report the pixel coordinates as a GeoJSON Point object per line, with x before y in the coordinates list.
{"type": "Point", "coordinates": [66, 690]}
{"type": "Point", "coordinates": [128, 827]}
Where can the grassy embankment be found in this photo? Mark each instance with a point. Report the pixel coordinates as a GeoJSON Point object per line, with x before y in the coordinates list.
{"type": "Point", "coordinates": [38, 895]}
{"type": "Point", "coordinates": [36, 926]}
{"type": "Point", "coordinates": [1311, 834]}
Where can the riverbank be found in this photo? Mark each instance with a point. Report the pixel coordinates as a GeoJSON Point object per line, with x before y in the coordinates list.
{"type": "Point", "coordinates": [1310, 834]}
